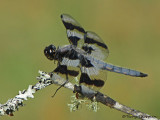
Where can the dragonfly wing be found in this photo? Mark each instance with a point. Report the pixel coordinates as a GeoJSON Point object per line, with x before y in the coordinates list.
{"type": "Point", "coordinates": [91, 75]}
{"type": "Point", "coordinates": [95, 46]}
{"type": "Point", "coordinates": [75, 32]}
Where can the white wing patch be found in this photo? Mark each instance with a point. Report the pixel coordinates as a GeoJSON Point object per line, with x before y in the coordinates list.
{"type": "Point", "coordinates": [75, 33]}
{"type": "Point", "coordinates": [69, 62]}
{"type": "Point", "coordinates": [90, 71]}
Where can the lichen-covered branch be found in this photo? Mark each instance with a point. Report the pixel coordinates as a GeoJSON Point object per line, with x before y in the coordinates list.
{"type": "Point", "coordinates": [13, 104]}
{"type": "Point", "coordinates": [46, 79]}
{"type": "Point", "coordinates": [106, 100]}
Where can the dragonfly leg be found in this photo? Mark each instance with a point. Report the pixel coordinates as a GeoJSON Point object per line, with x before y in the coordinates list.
{"type": "Point", "coordinates": [61, 86]}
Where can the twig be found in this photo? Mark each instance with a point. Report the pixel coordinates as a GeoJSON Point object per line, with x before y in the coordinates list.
{"type": "Point", "coordinates": [46, 79]}
{"type": "Point", "coordinates": [106, 100]}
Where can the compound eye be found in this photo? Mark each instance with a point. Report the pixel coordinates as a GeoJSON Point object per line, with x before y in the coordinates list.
{"type": "Point", "coordinates": [52, 47]}
{"type": "Point", "coordinates": [50, 52]}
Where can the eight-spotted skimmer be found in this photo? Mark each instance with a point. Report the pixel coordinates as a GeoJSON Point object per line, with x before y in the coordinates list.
{"type": "Point", "coordinates": [85, 54]}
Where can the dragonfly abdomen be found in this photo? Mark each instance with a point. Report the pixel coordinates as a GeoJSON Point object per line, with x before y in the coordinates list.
{"type": "Point", "coordinates": [122, 70]}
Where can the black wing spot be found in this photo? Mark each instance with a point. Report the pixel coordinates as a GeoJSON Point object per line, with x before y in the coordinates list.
{"type": "Point", "coordinates": [92, 41]}
{"type": "Point", "coordinates": [85, 62]}
{"type": "Point", "coordinates": [85, 79]}
{"type": "Point", "coordinates": [74, 40]}
{"type": "Point", "coordinates": [63, 70]}
{"type": "Point", "coordinates": [88, 49]}
{"type": "Point", "coordinates": [70, 26]}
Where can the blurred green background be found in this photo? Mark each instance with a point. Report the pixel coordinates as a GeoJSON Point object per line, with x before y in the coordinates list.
{"type": "Point", "coordinates": [131, 29]}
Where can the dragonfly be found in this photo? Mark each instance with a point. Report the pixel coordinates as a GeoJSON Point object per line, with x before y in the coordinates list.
{"type": "Point", "coordinates": [85, 57]}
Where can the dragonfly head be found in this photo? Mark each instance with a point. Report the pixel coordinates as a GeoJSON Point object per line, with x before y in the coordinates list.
{"type": "Point", "coordinates": [50, 52]}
